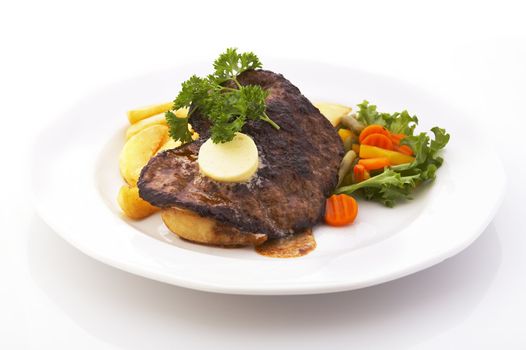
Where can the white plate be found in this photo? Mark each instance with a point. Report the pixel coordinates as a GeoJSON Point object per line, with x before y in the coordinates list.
{"type": "Point", "coordinates": [76, 180]}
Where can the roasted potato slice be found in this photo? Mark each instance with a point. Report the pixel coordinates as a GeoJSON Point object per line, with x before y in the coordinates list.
{"type": "Point", "coordinates": [134, 129]}
{"type": "Point", "coordinates": [139, 149]}
{"type": "Point", "coordinates": [169, 144]}
{"type": "Point", "coordinates": [153, 120]}
{"type": "Point", "coordinates": [332, 111]}
{"type": "Point", "coordinates": [193, 227]}
{"type": "Point", "coordinates": [132, 205]}
{"type": "Point", "coordinates": [144, 112]}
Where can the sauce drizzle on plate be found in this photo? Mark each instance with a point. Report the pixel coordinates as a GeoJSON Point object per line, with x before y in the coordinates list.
{"type": "Point", "coordinates": [290, 247]}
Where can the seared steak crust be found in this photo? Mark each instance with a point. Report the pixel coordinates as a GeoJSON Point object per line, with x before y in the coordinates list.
{"type": "Point", "coordinates": [298, 168]}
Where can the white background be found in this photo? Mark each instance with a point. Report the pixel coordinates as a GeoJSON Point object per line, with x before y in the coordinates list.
{"type": "Point", "coordinates": [53, 53]}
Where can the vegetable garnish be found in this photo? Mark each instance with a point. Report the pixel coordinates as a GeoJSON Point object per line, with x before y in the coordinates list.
{"type": "Point", "coordinates": [394, 182]}
{"type": "Point", "coordinates": [340, 210]}
{"type": "Point", "coordinates": [227, 108]}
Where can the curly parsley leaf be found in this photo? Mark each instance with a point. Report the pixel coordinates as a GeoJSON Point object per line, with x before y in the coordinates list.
{"type": "Point", "coordinates": [223, 112]}
{"type": "Point", "coordinates": [227, 108]}
{"type": "Point", "coordinates": [194, 89]}
{"type": "Point", "coordinates": [230, 64]}
{"type": "Point", "coordinates": [251, 101]}
{"type": "Point", "coordinates": [178, 127]}
{"type": "Point", "coordinates": [226, 130]}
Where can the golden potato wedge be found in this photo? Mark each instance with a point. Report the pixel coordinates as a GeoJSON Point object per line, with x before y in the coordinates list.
{"type": "Point", "coordinates": [332, 111]}
{"type": "Point", "coordinates": [141, 113]}
{"type": "Point", "coordinates": [134, 129]}
{"type": "Point", "coordinates": [169, 144]}
{"type": "Point", "coordinates": [193, 227]}
{"type": "Point", "coordinates": [139, 149]}
{"type": "Point", "coordinates": [153, 120]}
{"type": "Point", "coordinates": [132, 205]}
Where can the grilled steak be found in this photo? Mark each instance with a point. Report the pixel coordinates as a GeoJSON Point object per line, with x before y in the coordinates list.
{"type": "Point", "coordinates": [298, 168]}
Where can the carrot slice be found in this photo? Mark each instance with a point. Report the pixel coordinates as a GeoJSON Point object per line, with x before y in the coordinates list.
{"type": "Point", "coordinates": [378, 140]}
{"type": "Point", "coordinates": [340, 210]}
{"type": "Point", "coordinates": [373, 129]}
{"type": "Point", "coordinates": [405, 149]}
{"type": "Point", "coordinates": [374, 163]}
{"type": "Point", "coordinates": [359, 173]}
{"type": "Point", "coordinates": [396, 138]}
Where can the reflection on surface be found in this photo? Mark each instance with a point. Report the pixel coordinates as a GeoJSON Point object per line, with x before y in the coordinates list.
{"type": "Point", "coordinates": [133, 312]}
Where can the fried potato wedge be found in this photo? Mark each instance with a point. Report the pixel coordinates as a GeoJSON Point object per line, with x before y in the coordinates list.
{"type": "Point", "coordinates": [193, 227]}
{"type": "Point", "coordinates": [141, 113]}
{"type": "Point", "coordinates": [332, 111]}
{"type": "Point", "coordinates": [132, 205]}
{"type": "Point", "coordinates": [153, 120]}
{"type": "Point", "coordinates": [134, 129]}
{"type": "Point", "coordinates": [169, 144]}
{"type": "Point", "coordinates": [139, 149]}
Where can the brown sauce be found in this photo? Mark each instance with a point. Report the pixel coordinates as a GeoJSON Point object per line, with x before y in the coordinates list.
{"type": "Point", "coordinates": [290, 247]}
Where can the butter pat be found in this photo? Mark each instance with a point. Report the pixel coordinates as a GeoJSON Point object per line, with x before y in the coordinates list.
{"type": "Point", "coordinates": [333, 112]}
{"type": "Point", "coordinates": [234, 161]}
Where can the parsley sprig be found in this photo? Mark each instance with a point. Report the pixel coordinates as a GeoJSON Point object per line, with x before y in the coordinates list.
{"type": "Point", "coordinates": [227, 108]}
